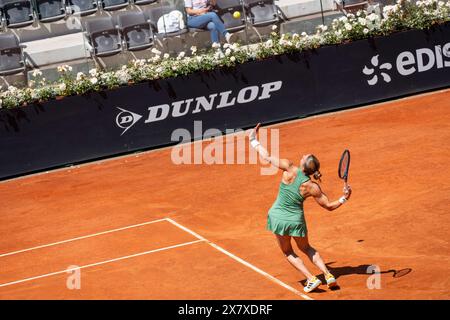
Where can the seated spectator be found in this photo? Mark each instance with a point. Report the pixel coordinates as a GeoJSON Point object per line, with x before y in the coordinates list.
{"type": "Point", "coordinates": [201, 16]}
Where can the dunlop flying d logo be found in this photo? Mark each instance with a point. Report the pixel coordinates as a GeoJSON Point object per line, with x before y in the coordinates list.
{"type": "Point", "coordinates": [126, 119]}
{"type": "Point", "coordinates": [376, 71]}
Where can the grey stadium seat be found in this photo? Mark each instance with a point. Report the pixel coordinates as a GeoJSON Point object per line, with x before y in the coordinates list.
{"type": "Point", "coordinates": [17, 13]}
{"type": "Point", "coordinates": [11, 55]}
{"type": "Point", "coordinates": [226, 8]}
{"type": "Point", "coordinates": [135, 30]}
{"type": "Point", "coordinates": [261, 12]}
{"type": "Point", "coordinates": [83, 7]}
{"type": "Point", "coordinates": [142, 2]}
{"type": "Point", "coordinates": [50, 10]}
{"type": "Point", "coordinates": [153, 14]}
{"type": "Point", "coordinates": [114, 4]}
{"type": "Point", "coordinates": [103, 36]}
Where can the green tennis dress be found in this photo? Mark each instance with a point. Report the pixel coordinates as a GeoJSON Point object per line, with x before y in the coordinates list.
{"type": "Point", "coordinates": [286, 215]}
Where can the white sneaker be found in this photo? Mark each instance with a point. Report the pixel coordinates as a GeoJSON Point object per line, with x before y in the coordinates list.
{"type": "Point", "coordinates": [228, 37]}
{"type": "Point", "coordinates": [312, 284]}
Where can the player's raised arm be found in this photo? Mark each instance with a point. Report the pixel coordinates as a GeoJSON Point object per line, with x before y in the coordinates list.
{"type": "Point", "coordinates": [322, 199]}
{"type": "Point", "coordinates": [283, 164]}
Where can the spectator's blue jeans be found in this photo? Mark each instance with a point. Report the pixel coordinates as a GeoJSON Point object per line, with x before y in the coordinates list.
{"type": "Point", "coordinates": [210, 21]}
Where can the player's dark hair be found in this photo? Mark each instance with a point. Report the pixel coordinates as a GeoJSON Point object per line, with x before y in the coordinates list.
{"type": "Point", "coordinates": [312, 166]}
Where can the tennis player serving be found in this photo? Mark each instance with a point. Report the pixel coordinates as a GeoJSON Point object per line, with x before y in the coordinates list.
{"type": "Point", "coordinates": [286, 218]}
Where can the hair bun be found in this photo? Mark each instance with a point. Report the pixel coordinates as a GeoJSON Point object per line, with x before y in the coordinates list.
{"type": "Point", "coordinates": [317, 175]}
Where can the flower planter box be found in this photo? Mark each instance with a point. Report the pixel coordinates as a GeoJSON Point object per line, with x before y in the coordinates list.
{"type": "Point", "coordinates": [143, 116]}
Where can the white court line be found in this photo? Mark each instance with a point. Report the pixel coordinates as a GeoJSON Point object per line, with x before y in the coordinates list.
{"type": "Point", "coordinates": [247, 264]}
{"type": "Point", "coordinates": [80, 238]}
{"type": "Point", "coordinates": [98, 263]}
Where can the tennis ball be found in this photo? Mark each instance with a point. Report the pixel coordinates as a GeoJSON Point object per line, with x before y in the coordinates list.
{"type": "Point", "coordinates": [236, 15]}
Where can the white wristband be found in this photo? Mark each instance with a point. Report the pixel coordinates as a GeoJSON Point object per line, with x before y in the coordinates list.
{"type": "Point", "coordinates": [254, 143]}
{"type": "Point", "coordinates": [342, 199]}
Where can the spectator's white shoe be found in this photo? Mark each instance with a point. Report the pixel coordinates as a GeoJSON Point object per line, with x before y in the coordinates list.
{"type": "Point", "coordinates": [228, 37]}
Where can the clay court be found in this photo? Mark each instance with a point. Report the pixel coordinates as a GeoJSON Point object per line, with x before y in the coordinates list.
{"type": "Point", "coordinates": [141, 227]}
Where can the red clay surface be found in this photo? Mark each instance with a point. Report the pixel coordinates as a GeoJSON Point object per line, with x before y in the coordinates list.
{"type": "Point", "coordinates": [397, 218]}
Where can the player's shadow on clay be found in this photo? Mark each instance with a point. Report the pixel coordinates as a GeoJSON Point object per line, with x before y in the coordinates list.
{"type": "Point", "coordinates": [361, 269]}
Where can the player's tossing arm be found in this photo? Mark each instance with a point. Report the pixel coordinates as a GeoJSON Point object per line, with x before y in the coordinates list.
{"type": "Point", "coordinates": [283, 164]}
{"type": "Point", "coordinates": [322, 199]}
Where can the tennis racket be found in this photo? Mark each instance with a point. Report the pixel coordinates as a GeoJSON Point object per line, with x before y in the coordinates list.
{"type": "Point", "coordinates": [344, 165]}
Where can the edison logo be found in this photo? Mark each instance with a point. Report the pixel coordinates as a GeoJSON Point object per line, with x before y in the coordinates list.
{"type": "Point", "coordinates": [126, 119]}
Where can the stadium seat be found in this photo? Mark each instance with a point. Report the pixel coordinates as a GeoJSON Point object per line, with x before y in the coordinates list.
{"type": "Point", "coordinates": [103, 36]}
{"type": "Point", "coordinates": [348, 6]}
{"type": "Point", "coordinates": [157, 13]}
{"type": "Point", "coordinates": [261, 12]}
{"type": "Point", "coordinates": [83, 7]}
{"type": "Point", "coordinates": [143, 2]}
{"type": "Point", "coordinates": [50, 10]}
{"type": "Point", "coordinates": [135, 30]}
{"type": "Point", "coordinates": [17, 13]}
{"type": "Point", "coordinates": [11, 56]}
{"type": "Point", "coordinates": [225, 10]}
{"type": "Point", "coordinates": [114, 4]}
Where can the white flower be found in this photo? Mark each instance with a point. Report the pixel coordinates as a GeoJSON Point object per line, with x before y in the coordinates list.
{"type": "Point", "coordinates": [93, 72]}
{"type": "Point", "coordinates": [234, 46]}
{"type": "Point", "coordinates": [156, 51]}
{"type": "Point", "coordinates": [304, 34]}
{"type": "Point", "coordinates": [12, 89]}
{"type": "Point", "coordinates": [181, 55]}
{"type": "Point", "coordinates": [372, 17]}
{"type": "Point", "coordinates": [37, 73]}
{"type": "Point", "coordinates": [233, 59]}
{"type": "Point", "coordinates": [64, 68]}
{"type": "Point", "coordinates": [348, 27]}
{"type": "Point", "coordinates": [269, 43]}
{"type": "Point", "coordinates": [80, 76]}
{"type": "Point", "coordinates": [193, 49]}
{"type": "Point", "coordinates": [362, 21]}
{"type": "Point", "coordinates": [31, 83]}
{"type": "Point", "coordinates": [94, 80]}
{"type": "Point", "coordinates": [166, 56]}
{"type": "Point", "coordinates": [343, 19]}
{"type": "Point", "coordinates": [366, 31]}
{"type": "Point", "coordinates": [123, 76]}
{"type": "Point", "coordinates": [174, 68]}
{"type": "Point", "coordinates": [62, 86]}
{"type": "Point", "coordinates": [274, 27]}
{"type": "Point", "coordinates": [227, 52]}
